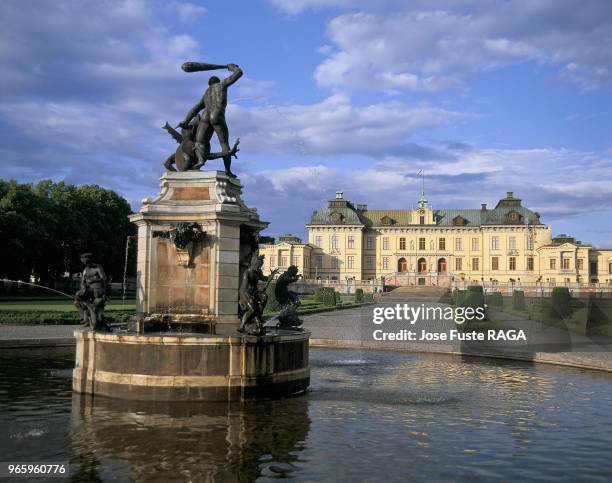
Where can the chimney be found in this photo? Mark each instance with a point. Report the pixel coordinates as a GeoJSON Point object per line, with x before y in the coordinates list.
{"type": "Point", "coordinates": [509, 194]}
{"type": "Point", "coordinates": [483, 206]}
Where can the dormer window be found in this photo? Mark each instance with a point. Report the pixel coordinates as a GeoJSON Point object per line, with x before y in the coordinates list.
{"type": "Point", "coordinates": [513, 217]}
{"type": "Point", "coordinates": [459, 221]}
{"type": "Point", "coordinates": [336, 217]}
{"type": "Point", "coordinates": [387, 221]}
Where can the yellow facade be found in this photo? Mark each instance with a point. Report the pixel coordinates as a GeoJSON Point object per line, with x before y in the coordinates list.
{"type": "Point", "coordinates": [288, 251]}
{"type": "Point", "coordinates": [492, 245]}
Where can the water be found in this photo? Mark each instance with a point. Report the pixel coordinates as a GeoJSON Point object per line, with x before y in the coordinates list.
{"type": "Point", "coordinates": [369, 416]}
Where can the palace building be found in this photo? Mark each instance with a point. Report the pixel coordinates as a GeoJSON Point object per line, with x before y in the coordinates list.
{"type": "Point", "coordinates": [422, 246]}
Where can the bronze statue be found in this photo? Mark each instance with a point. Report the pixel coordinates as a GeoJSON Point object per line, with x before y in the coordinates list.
{"type": "Point", "coordinates": [252, 299]}
{"type": "Point", "coordinates": [91, 298]}
{"type": "Point", "coordinates": [184, 157]}
{"type": "Point", "coordinates": [288, 300]}
{"type": "Point", "coordinates": [212, 120]}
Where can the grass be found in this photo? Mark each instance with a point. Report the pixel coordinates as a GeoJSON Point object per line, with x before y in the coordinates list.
{"type": "Point", "coordinates": [32, 310]}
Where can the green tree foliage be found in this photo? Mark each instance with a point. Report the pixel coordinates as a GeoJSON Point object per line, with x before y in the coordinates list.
{"type": "Point", "coordinates": [45, 227]}
{"type": "Point", "coordinates": [359, 295]}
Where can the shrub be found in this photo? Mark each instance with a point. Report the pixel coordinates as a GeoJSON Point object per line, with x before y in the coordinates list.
{"type": "Point", "coordinates": [474, 297]}
{"type": "Point", "coordinates": [368, 298]}
{"type": "Point", "coordinates": [272, 305]}
{"type": "Point", "coordinates": [359, 295]}
{"type": "Point", "coordinates": [459, 297]}
{"type": "Point", "coordinates": [561, 302]}
{"type": "Point", "coordinates": [496, 299]}
{"type": "Point", "coordinates": [599, 318]}
{"type": "Point", "coordinates": [518, 300]}
{"type": "Point", "coordinates": [326, 296]}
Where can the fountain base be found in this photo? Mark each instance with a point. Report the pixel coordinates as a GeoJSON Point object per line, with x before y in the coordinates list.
{"type": "Point", "coordinates": [191, 367]}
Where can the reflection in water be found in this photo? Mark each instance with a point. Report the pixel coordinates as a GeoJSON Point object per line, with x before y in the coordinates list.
{"type": "Point", "coordinates": [369, 415]}
{"type": "Point", "coordinates": [203, 441]}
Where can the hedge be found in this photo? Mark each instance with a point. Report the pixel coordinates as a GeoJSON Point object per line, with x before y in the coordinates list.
{"type": "Point", "coordinates": [272, 305]}
{"type": "Point", "coordinates": [599, 319]}
{"type": "Point", "coordinates": [359, 295]}
{"type": "Point", "coordinates": [561, 302]}
{"type": "Point", "coordinates": [518, 300]}
{"type": "Point", "coordinates": [325, 295]}
{"type": "Point", "coordinates": [495, 299]}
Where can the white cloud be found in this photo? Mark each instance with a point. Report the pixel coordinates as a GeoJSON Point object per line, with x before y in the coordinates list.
{"type": "Point", "coordinates": [557, 183]}
{"type": "Point", "coordinates": [189, 12]}
{"type": "Point", "coordinates": [334, 126]}
{"type": "Point", "coordinates": [436, 45]}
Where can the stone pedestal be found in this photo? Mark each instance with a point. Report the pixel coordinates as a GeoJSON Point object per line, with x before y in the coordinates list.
{"type": "Point", "coordinates": [178, 367]}
{"type": "Point", "coordinates": [202, 296]}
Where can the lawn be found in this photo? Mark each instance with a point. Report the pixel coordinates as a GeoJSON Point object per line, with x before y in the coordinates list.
{"type": "Point", "coordinates": [55, 310]}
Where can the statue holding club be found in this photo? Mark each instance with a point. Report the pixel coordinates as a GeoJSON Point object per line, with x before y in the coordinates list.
{"type": "Point", "coordinates": [204, 119]}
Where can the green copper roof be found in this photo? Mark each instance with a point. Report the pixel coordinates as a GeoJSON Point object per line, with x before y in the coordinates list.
{"type": "Point", "coordinates": [348, 215]}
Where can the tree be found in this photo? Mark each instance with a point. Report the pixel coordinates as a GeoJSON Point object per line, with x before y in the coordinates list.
{"type": "Point", "coordinates": [44, 229]}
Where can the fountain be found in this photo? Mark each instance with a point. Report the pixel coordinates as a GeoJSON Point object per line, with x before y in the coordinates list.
{"type": "Point", "coordinates": [197, 241]}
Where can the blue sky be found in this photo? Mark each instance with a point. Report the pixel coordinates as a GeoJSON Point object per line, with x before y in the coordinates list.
{"type": "Point", "coordinates": [484, 96]}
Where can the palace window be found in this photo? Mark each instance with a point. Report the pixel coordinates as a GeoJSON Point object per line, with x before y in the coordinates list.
{"type": "Point", "coordinates": [442, 244]}
{"type": "Point", "coordinates": [385, 243]}
{"type": "Point", "coordinates": [458, 245]}
{"type": "Point", "coordinates": [334, 262]}
{"type": "Point", "coordinates": [370, 243]}
{"type": "Point", "coordinates": [610, 268]}
{"type": "Point", "coordinates": [494, 263]}
{"type": "Point", "coordinates": [475, 264]}
{"type": "Point", "coordinates": [350, 261]}
{"type": "Point", "coordinates": [334, 242]}
{"type": "Point", "coordinates": [565, 263]}
{"type": "Point", "coordinates": [530, 264]}
{"type": "Point", "coordinates": [494, 243]}
{"type": "Point", "coordinates": [529, 242]}
{"type": "Point", "coordinates": [512, 263]}
{"type": "Point", "coordinates": [283, 260]}
{"type": "Point", "coordinates": [421, 220]}
{"type": "Point", "coordinates": [295, 260]}
{"type": "Point", "coordinates": [319, 241]}
{"type": "Point", "coordinates": [475, 244]}
{"type": "Point", "coordinates": [272, 260]}
{"type": "Point", "coordinates": [580, 264]}
{"type": "Point", "coordinates": [351, 241]}
{"type": "Point", "coordinates": [385, 263]}
{"type": "Point", "coordinates": [593, 266]}
{"type": "Point", "coordinates": [512, 243]}
{"type": "Point", "coordinates": [458, 263]}
{"type": "Point", "coordinates": [402, 243]}
{"type": "Point", "coordinates": [319, 261]}
{"type": "Point", "coordinates": [370, 263]}
{"type": "Point", "coordinates": [421, 243]}
{"type": "Point", "coordinates": [553, 264]}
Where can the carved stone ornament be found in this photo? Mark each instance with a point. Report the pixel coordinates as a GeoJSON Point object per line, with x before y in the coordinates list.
{"type": "Point", "coordinates": [186, 238]}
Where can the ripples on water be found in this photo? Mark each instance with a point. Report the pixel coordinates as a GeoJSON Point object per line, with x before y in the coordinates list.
{"type": "Point", "coordinates": [368, 416]}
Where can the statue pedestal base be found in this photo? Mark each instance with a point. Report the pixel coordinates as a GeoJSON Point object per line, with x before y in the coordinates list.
{"type": "Point", "coordinates": [190, 368]}
{"type": "Point", "coordinates": [193, 287]}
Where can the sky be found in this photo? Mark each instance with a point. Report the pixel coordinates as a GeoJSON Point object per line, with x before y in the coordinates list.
{"type": "Point", "coordinates": [357, 96]}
